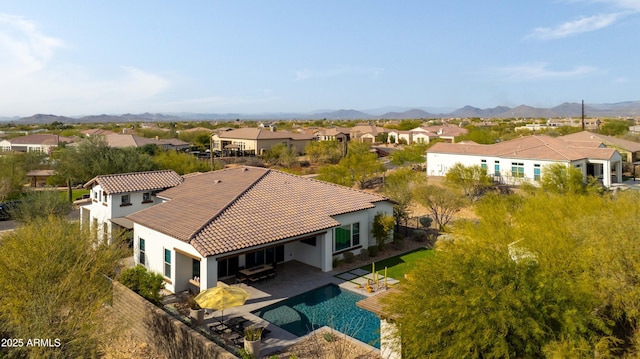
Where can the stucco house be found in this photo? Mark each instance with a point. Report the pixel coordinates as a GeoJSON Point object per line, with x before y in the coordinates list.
{"type": "Point", "coordinates": [214, 224]}
{"type": "Point", "coordinates": [257, 140]}
{"type": "Point", "coordinates": [112, 197]}
{"type": "Point", "coordinates": [427, 134]}
{"type": "Point", "coordinates": [524, 159]}
{"type": "Point", "coordinates": [629, 150]}
{"type": "Point", "coordinates": [126, 140]}
{"type": "Point", "coordinates": [44, 143]}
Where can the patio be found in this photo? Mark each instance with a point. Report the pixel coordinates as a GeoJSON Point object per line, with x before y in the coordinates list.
{"type": "Point", "coordinates": [292, 278]}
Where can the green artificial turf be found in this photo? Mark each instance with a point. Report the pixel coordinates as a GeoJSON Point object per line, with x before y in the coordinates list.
{"type": "Point", "coordinates": [399, 265]}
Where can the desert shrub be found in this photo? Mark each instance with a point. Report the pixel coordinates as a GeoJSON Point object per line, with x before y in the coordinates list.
{"type": "Point", "coordinates": [426, 221]}
{"type": "Point", "coordinates": [348, 257]}
{"type": "Point", "coordinates": [397, 244]}
{"type": "Point", "coordinates": [419, 235]}
{"type": "Point", "coordinates": [364, 254]}
{"type": "Point", "coordinates": [373, 251]}
{"type": "Point", "coordinates": [143, 282]}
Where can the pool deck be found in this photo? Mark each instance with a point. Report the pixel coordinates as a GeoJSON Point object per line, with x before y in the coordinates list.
{"type": "Point", "coordinates": [292, 278]}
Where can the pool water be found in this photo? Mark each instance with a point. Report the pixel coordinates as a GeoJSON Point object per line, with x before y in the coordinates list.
{"type": "Point", "coordinates": [328, 305]}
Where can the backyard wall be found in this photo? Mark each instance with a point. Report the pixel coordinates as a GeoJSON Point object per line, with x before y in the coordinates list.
{"type": "Point", "coordinates": [160, 330]}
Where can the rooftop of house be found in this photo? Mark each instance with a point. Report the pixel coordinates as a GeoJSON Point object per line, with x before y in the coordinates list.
{"type": "Point", "coordinates": [120, 140]}
{"type": "Point", "coordinates": [232, 209]}
{"type": "Point", "coordinates": [591, 137]}
{"type": "Point", "coordinates": [136, 181]}
{"type": "Point", "coordinates": [531, 147]}
{"type": "Point", "coordinates": [40, 139]}
{"type": "Point", "coordinates": [249, 133]}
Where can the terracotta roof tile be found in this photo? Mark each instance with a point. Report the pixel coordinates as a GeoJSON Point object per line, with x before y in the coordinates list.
{"type": "Point", "coordinates": [136, 181]}
{"type": "Point", "coordinates": [531, 147]}
{"type": "Point", "coordinates": [250, 133]}
{"type": "Point", "coordinates": [232, 209]}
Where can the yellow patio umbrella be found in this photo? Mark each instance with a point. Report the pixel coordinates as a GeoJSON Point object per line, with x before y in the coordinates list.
{"type": "Point", "coordinates": [222, 297]}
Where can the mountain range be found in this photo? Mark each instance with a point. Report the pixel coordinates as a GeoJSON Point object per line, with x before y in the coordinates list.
{"type": "Point", "coordinates": [613, 110]}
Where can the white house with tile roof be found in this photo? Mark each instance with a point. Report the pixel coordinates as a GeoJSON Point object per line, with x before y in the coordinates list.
{"type": "Point", "coordinates": [44, 143]}
{"type": "Point", "coordinates": [630, 150]}
{"type": "Point", "coordinates": [112, 197]}
{"type": "Point", "coordinates": [214, 224]}
{"type": "Point", "coordinates": [257, 140]}
{"type": "Point", "coordinates": [524, 159]}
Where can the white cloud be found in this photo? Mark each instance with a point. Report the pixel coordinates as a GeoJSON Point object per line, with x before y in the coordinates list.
{"type": "Point", "coordinates": [307, 74]}
{"type": "Point", "coordinates": [538, 71]}
{"type": "Point", "coordinates": [23, 48]}
{"type": "Point", "coordinates": [33, 84]}
{"type": "Point", "coordinates": [579, 26]}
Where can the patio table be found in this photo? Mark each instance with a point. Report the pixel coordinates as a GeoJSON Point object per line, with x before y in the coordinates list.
{"type": "Point", "coordinates": [256, 273]}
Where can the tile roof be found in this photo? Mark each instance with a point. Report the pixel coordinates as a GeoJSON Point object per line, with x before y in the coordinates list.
{"type": "Point", "coordinates": [249, 133]}
{"type": "Point", "coordinates": [40, 139]}
{"type": "Point", "coordinates": [531, 147]}
{"type": "Point", "coordinates": [118, 140]}
{"type": "Point", "coordinates": [233, 209]}
{"type": "Point", "coordinates": [136, 181]}
{"type": "Point", "coordinates": [586, 136]}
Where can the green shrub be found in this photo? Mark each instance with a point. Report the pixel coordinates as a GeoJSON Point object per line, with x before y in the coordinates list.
{"type": "Point", "coordinates": [348, 257]}
{"type": "Point", "coordinates": [364, 254]}
{"type": "Point", "coordinates": [426, 221]}
{"type": "Point", "coordinates": [373, 251]}
{"type": "Point", "coordinates": [143, 282]}
{"type": "Point", "coordinates": [329, 336]}
{"type": "Point", "coordinates": [419, 235]}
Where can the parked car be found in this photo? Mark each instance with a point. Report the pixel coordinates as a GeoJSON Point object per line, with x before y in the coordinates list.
{"type": "Point", "coordinates": [7, 208]}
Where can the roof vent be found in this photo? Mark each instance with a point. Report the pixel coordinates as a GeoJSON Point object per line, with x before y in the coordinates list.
{"type": "Point", "coordinates": [217, 181]}
{"type": "Point", "coordinates": [245, 169]}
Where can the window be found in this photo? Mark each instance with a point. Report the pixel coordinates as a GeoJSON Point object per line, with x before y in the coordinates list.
{"type": "Point", "coordinates": [346, 236]}
{"type": "Point", "coordinates": [536, 172]}
{"type": "Point", "coordinates": [146, 197]}
{"type": "Point", "coordinates": [483, 164]}
{"type": "Point", "coordinates": [195, 268]}
{"type": "Point", "coordinates": [95, 195]}
{"type": "Point", "coordinates": [517, 169]}
{"type": "Point", "coordinates": [167, 263]}
{"type": "Point", "coordinates": [104, 197]}
{"type": "Point", "coordinates": [141, 260]}
{"type": "Point", "coordinates": [265, 256]}
{"type": "Point", "coordinates": [496, 168]}
{"type": "Point", "coordinates": [125, 200]}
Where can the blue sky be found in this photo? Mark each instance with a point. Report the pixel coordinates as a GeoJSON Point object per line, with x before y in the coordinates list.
{"type": "Point", "coordinates": [73, 58]}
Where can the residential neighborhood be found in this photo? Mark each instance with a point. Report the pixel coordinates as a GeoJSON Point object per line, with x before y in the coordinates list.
{"type": "Point", "coordinates": [331, 217]}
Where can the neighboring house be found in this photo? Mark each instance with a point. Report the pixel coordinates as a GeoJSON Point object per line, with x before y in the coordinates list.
{"type": "Point", "coordinates": [112, 197]}
{"type": "Point", "coordinates": [214, 224]}
{"type": "Point", "coordinates": [255, 141]}
{"type": "Point", "coordinates": [629, 150]}
{"type": "Point", "coordinates": [38, 178]}
{"type": "Point", "coordinates": [5, 145]}
{"type": "Point", "coordinates": [97, 132]}
{"type": "Point", "coordinates": [339, 134]}
{"type": "Point", "coordinates": [120, 141]}
{"type": "Point", "coordinates": [397, 136]}
{"type": "Point", "coordinates": [427, 134]}
{"type": "Point", "coordinates": [366, 133]}
{"type": "Point", "coordinates": [524, 159]}
{"type": "Point", "coordinates": [44, 143]}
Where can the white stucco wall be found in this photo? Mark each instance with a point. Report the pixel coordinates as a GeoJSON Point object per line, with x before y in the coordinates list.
{"type": "Point", "coordinates": [438, 164]}
{"type": "Point", "coordinates": [155, 244]}
{"type": "Point", "coordinates": [390, 347]}
{"type": "Point", "coordinates": [112, 208]}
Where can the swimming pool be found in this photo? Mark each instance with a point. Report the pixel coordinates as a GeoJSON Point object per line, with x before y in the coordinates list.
{"type": "Point", "coordinates": [328, 305]}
